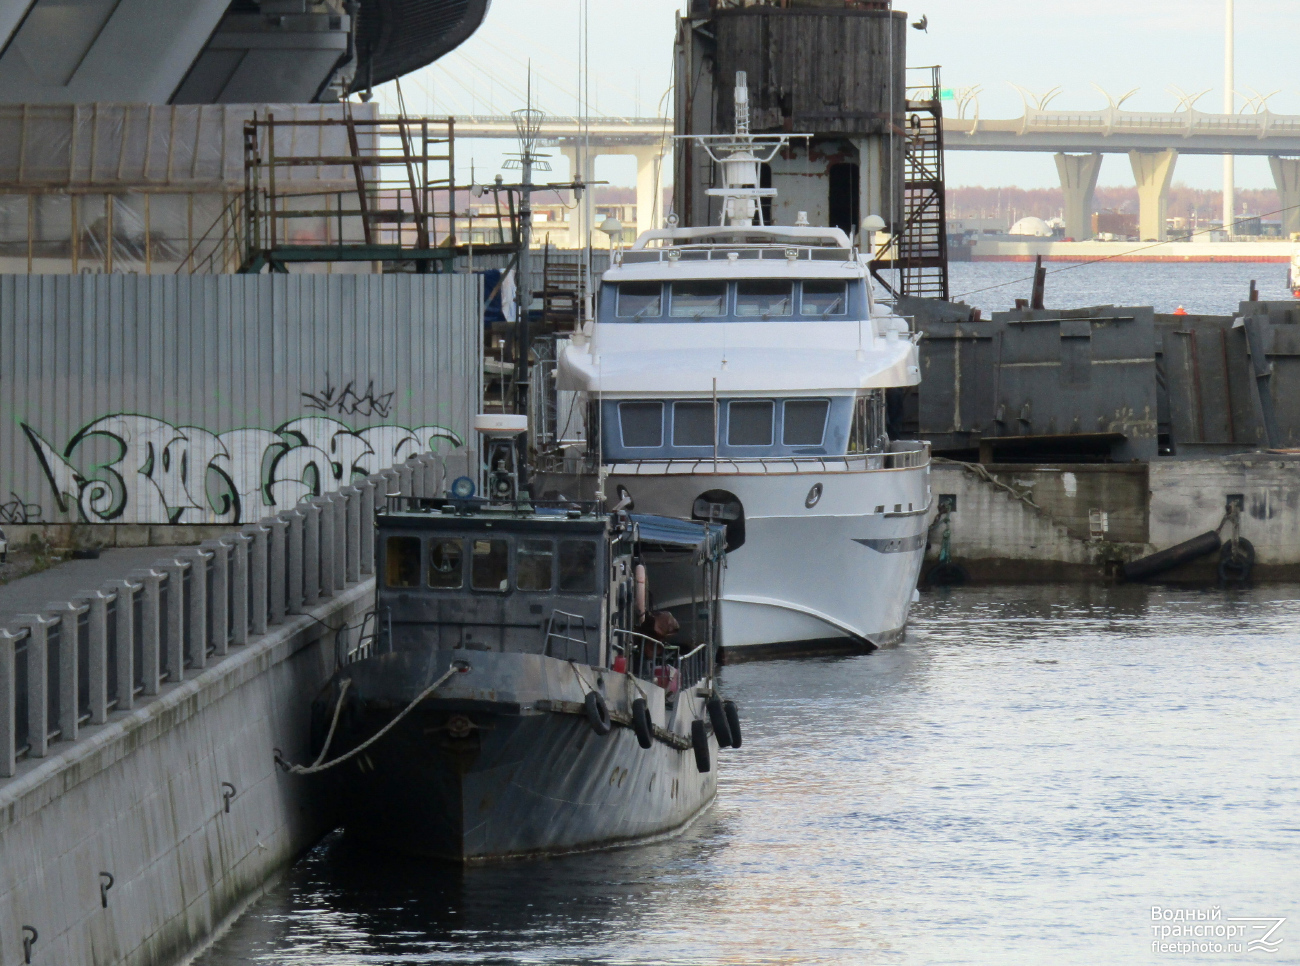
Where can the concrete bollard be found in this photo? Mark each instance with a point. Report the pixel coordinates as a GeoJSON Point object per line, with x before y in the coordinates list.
{"type": "Point", "coordinates": [352, 522]}
{"type": "Point", "coordinates": [68, 616]}
{"type": "Point", "coordinates": [258, 568]}
{"type": "Point", "coordinates": [239, 587]}
{"type": "Point", "coordinates": [277, 589]}
{"type": "Point", "coordinates": [328, 541]}
{"type": "Point", "coordinates": [310, 554]}
{"type": "Point", "coordinates": [294, 559]}
{"type": "Point", "coordinates": [417, 476]}
{"type": "Point", "coordinates": [197, 607]}
{"type": "Point", "coordinates": [151, 618]}
{"type": "Point", "coordinates": [219, 603]}
{"type": "Point", "coordinates": [406, 479]}
{"type": "Point", "coordinates": [125, 630]}
{"type": "Point", "coordinates": [9, 701]}
{"type": "Point", "coordinates": [97, 653]}
{"type": "Point", "coordinates": [367, 488]}
{"type": "Point", "coordinates": [433, 475]}
{"type": "Point", "coordinates": [38, 682]}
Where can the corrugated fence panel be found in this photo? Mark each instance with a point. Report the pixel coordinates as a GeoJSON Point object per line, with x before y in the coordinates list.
{"type": "Point", "coordinates": [218, 398]}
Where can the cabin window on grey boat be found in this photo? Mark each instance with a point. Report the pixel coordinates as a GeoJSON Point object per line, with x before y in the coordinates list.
{"type": "Point", "coordinates": [446, 564]}
{"type": "Point", "coordinates": [491, 567]}
{"type": "Point", "coordinates": [693, 424]}
{"type": "Point", "coordinates": [698, 300]}
{"type": "Point", "coordinates": [402, 562]}
{"type": "Point", "coordinates": [534, 565]}
{"type": "Point", "coordinates": [764, 298]}
{"type": "Point", "coordinates": [805, 422]}
{"type": "Point", "coordinates": [640, 300]}
{"type": "Point", "coordinates": [749, 424]}
{"type": "Point", "coordinates": [822, 297]}
{"type": "Point", "coordinates": [642, 423]}
{"type": "Point", "coordinates": [577, 567]}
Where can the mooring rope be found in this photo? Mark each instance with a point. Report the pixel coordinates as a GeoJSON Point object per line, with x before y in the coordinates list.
{"type": "Point", "coordinates": [316, 766]}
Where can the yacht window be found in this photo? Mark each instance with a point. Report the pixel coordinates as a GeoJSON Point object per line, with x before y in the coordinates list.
{"type": "Point", "coordinates": [402, 562]}
{"type": "Point", "coordinates": [643, 424]}
{"type": "Point", "coordinates": [534, 565]}
{"type": "Point", "coordinates": [749, 424]}
{"type": "Point", "coordinates": [825, 297]}
{"type": "Point", "coordinates": [692, 424]}
{"type": "Point", "coordinates": [698, 300]}
{"type": "Point", "coordinates": [577, 567]}
{"type": "Point", "coordinates": [640, 300]}
{"type": "Point", "coordinates": [805, 422]}
{"type": "Point", "coordinates": [764, 298]}
{"type": "Point", "coordinates": [491, 567]}
{"type": "Point", "coordinates": [446, 564]}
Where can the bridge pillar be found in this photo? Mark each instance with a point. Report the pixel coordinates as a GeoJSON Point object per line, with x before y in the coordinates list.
{"type": "Point", "coordinates": [1153, 171]}
{"type": "Point", "coordinates": [649, 161]}
{"type": "Point", "coordinates": [579, 228]}
{"type": "Point", "coordinates": [1286, 175]}
{"type": "Point", "coordinates": [1079, 182]}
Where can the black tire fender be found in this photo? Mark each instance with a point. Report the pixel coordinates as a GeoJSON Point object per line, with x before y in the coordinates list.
{"type": "Point", "coordinates": [645, 732]}
{"type": "Point", "coordinates": [700, 742]}
{"type": "Point", "coordinates": [718, 718]}
{"type": "Point", "coordinates": [1236, 561]}
{"type": "Point", "coordinates": [598, 713]}
{"type": "Point", "coordinates": [733, 721]}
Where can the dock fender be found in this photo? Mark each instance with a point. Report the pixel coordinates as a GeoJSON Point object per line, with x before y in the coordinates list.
{"type": "Point", "coordinates": [598, 713]}
{"type": "Point", "coordinates": [645, 732]}
{"type": "Point", "coordinates": [733, 722]}
{"type": "Point", "coordinates": [700, 742]}
{"type": "Point", "coordinates": [1236, 561]}
{"type": "Point", "coordinates": [718, 718]}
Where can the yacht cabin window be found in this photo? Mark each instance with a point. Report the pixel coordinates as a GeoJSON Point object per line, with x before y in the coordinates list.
{"type": "Point", "coordinates": [749, 424]}
{"type": "Point", "coordinates": [640, 300]}
{"type": "Point", "coordinates": [823, 297]}
{"type": "Point", "coordinates": [693, 424]}
{"type": "Point", "coordinates": [490, 569]}
{"type": "Point", "coordinates": [698, 300]}
{"type": "Point", "coordinates": [804, 422]}
{"type": "Point", "coordinates": [642, 424]}
{"type": "Point", "coordinates": [764, 298]}
{"type": "Point", "coordinates": [446, 564]}
{"type": "Point", "coordinates": [402, 562]}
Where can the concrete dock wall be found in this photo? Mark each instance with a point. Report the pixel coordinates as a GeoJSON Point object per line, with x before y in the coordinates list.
{"type": "Point", "coordinates": [139, 726]}
{"type": "Point", "coordinates": [1042, 523]}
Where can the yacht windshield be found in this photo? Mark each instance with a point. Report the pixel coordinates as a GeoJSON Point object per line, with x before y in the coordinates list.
{"type": "Point", "coordinates": [640, 300]}
{"type": "Point", "coordinates": [698, 300]}
{"type": "Point", "coordinates": [823, 298]}
{"type": "Point", "coordinates": [764, 298]}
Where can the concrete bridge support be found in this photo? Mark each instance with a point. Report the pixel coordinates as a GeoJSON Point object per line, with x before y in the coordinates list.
{"type": "Point", "coordinates": [1286, 175]}
{"type": "Point", "coordinates": [1079, 182]}
{"type": "Point", "coordinates": [1153, 171]}
{"type": "Point", "coordinates": [649, 161]}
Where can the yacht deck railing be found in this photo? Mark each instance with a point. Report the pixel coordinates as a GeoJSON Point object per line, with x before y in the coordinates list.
{"type": "Point", "coordinates": [901, 455]}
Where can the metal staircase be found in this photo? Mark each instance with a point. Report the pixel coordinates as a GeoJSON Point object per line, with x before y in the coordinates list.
{"type": "Point", "coordinates": [919, 253]}
{"type": "Point", "coordinates": [563, 288]}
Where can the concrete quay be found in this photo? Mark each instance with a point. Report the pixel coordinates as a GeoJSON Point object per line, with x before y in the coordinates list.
{"type": "Point", "coordinates": [141, 806]}
{"type": "Point", "coordinates": [1042, 523]}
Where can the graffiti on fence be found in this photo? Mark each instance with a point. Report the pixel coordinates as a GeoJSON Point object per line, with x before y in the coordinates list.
{"type": "Point", "coordinates": [127, 468]}
{"type": "Point", "coordinates": [346, 402]}
{"type": "Point", "coordinates": [16, 511]}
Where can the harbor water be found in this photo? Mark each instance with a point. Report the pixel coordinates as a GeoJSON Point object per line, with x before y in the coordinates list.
{"type": "Point", "coordinates": [1202, 288]}
{"type": "Point", "coordinates": [1021, 781]}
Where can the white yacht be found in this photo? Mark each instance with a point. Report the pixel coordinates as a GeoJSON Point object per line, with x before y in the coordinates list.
{"type": "Point", "coordinates": [738, 373]}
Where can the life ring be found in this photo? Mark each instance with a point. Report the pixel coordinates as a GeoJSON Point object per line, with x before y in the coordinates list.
{"type": "Point", "coordinates": [700, 742]}
{"type": "Point", "coordinates": [1236, 561]}
{"type": "Point", "coordinates": [598, 713]}
{"type": "Point", "coordinates": [645, 732]}
{"type": "Point", "coordinates": [718, 718]}
{"type": "Point", "coordinates": [733, 722]}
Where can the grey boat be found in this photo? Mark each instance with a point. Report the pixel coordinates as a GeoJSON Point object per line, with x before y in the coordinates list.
{"type": "Point", "coordinates": [521, 696]}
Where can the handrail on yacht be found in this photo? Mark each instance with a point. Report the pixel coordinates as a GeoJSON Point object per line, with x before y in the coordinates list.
{"type": "Point", "coordinates": [916, 454]}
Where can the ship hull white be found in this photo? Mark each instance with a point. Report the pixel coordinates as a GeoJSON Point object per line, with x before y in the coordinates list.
{"type": "Point", "coordinates": [822, 569]}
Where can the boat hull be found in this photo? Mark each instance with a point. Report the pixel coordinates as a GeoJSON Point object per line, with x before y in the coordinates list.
{"type": "Point", "coordinates": [820, 570]}
{"type": "Point", "coordinates": [502, 762]}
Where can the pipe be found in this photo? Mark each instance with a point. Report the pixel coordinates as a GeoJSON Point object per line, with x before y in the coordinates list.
{"type": "Point", "coordinates": [1158, 563]}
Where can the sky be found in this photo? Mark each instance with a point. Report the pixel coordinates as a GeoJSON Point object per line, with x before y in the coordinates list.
{"type": "Point", "coordinates": [1036, 44]}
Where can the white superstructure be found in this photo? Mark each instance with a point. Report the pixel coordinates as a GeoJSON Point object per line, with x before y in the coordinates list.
{"type": "Point", "coordinates": [739, 373]}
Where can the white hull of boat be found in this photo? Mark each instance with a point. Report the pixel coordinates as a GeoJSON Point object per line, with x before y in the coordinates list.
{"type": "Point", "coordinates": [835, 575]}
